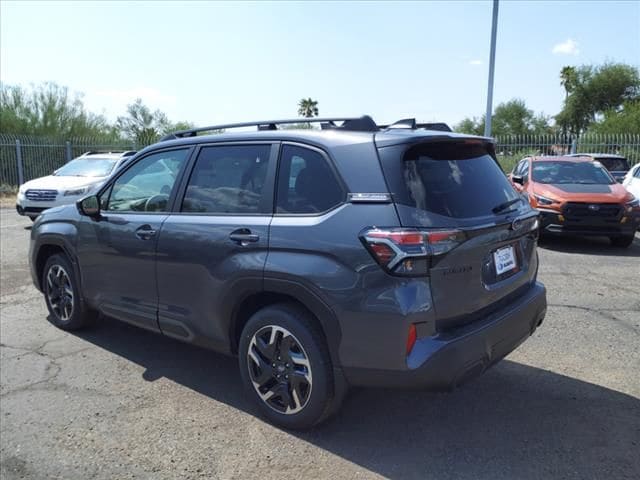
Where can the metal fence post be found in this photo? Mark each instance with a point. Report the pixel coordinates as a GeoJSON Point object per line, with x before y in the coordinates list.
{"type": "Point", "coordinates": [19, 163]}
{"type": "Point", "coordinates": [68, 143]}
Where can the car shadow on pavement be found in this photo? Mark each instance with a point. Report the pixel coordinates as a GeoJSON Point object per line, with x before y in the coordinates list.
{"type": "Point", "coordinates": [516, 421]}
{"type": "Point", "coordinates": [589, 246]}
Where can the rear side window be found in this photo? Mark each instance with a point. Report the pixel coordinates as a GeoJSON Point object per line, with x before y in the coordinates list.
{"type": "Point", "coordinates": [614, 164]}
{"type": "Point", "coordinates": [227, 180]}
{"type": "Point", "coordinates": [454, 180]}
{"type": "Point", "coordinates": [306, 182]}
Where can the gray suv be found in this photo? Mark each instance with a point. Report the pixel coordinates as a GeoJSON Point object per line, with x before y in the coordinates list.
{"type": "Point", "coordinates": [347, 255]}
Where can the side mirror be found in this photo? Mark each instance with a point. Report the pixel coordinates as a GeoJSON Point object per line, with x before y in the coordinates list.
{"type": "Point", "coordinates": [517, 179]}
{"type": "Point", "coordinates": [89, 206]}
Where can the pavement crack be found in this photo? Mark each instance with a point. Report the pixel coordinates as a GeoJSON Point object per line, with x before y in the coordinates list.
{"type": "Point", "coordinates": [603, 312]}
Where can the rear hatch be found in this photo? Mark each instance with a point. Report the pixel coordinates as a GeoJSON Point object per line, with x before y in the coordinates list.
{"type": "Point", "coordinates": [483, 234]}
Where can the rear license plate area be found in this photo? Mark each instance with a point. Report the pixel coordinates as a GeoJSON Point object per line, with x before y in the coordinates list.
{"type": "Point", "coordinates": [505, 261]}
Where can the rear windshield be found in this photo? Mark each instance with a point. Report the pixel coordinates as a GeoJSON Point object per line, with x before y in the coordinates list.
{"type": "Point", "coordinates": [586, 173]}
{"type": "Point", "coordinates": [455, 180]}
{"type": "Point", "coordinates": [87, 167]}
{"type": "Point", "coordinates": [614, 164]}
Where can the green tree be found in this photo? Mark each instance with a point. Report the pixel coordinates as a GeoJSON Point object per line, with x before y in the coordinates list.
{"type": "Point", "coordinates": [144, 126]}
{"type": "Point", "coordinates": [176, 127]}
{"type": "Point", "coordinates": [626, 120]}
{"type": "Point", "coordinates": [568, 79]}
{"type": "Point", "coordinates": [514, 118]}
{"type": "Point", "coordinates": [307, 107]}
{"type": "Point", "coordinates": [595, 91]}
{"type": "Point", "coordinates": [509, 118]}
{"type": "Point", "coordinates": [48, 109]}
{"type": "Point", "coordinates": [471, 126]}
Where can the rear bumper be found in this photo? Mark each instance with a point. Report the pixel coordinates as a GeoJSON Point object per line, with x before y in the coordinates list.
{"type": "Point", "coordinates": [444, 361]}
{"type": "Point", "coordinates": [550, 222]}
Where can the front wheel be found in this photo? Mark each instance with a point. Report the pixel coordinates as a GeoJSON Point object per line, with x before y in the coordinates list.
{"type": "Point", "coordinates": [66, 308]}
{"type": "Point", "coordinates": [285, 365]}
{"type": "Point", "coordinates": [623, 242]}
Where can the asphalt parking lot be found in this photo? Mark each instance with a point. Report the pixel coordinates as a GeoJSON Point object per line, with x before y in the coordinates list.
{"type": "Point", "coordinates": [118, 402]}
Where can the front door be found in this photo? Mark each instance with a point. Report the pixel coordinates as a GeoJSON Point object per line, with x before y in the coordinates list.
{"type": "Point", "coordinates": [117, 251]}
{"type": "Point", "coordinates": [213, 247]}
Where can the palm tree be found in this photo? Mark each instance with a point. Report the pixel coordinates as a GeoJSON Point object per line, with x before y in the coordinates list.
{"type": "Point", "coordinates": [568, 79]}
{"type": "Point", "coordinates": [308, 108]}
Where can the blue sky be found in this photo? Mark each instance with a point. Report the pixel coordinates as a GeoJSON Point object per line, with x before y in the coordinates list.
{"type": "Point", "coordinates": [217, 62]}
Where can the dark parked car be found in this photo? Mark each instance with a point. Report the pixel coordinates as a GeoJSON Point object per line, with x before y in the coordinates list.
{"type": "Point", "coordinates": [322, 258]}
{"type": "Point", "coordinates": [617, 165]}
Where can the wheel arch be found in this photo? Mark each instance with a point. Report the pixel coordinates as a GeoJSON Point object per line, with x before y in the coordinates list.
{"type": "Point", "coordinates": [47, 246]}
{"type": "Point", "coordinates": [283, 291]}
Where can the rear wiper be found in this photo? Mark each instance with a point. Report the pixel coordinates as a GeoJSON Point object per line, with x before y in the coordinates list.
{"type": "Point", "coordinates": [505, 205]}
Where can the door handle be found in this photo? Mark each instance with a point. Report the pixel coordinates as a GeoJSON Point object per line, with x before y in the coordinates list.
{"type": "Point", "coordinates": [145, 232]}
{"type": "Point", "coordinates": [243, 236]}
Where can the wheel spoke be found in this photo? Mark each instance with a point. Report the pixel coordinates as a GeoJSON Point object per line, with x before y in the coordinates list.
{"type": "Point", "coordinates": [288, 342]}
{"type": "Point", "coordinates": [267, 351]}
{"type": "Point", "coordinates": [282, 391]}
{"type": "Point", "coordinates": [299, 384]}
{"type": "Point", "coordinates": [262, 367]}
{"type": "Point", "coordinates": [299, 359]}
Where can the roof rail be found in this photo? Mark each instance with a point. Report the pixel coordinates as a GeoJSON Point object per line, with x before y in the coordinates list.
{"type": "Point", "coordinates": [364, 123]}
{"type": "Point", "coordinates": [355, 124]}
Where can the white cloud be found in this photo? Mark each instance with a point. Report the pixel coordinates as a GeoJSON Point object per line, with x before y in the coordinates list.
{"type": "Point", "coordinates": [569, 47]}
{"type": "Point", "coordinates": [475, 62]}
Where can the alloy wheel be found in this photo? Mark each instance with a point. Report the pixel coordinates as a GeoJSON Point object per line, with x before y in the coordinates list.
{"type": "Point", "coordinates": [60, 292]}
{"type": "Point", "coordinates": [279, 369]}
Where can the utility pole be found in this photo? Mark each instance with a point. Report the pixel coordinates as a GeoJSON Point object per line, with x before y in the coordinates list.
{"type": "Point", "coordinates": [492, 64]}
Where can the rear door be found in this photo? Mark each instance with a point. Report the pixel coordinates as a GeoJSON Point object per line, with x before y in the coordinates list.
{"type": "Point", "coordinates": [458, 187]}
{"type": "Point", "coordinates": [213, 246]}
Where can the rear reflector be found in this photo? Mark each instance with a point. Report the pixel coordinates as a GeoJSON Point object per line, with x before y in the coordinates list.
{"type": "Point", "coordinates": [411, 338]}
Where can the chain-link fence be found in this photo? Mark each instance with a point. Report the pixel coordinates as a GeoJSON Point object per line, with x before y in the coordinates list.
{"type": "Point", "coordinates": [23, 158]}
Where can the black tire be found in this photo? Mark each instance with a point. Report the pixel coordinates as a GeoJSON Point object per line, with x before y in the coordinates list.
{"type": "Point", "coordinates": [59, 285]}
{"type": "Point", "coordinates": [622, 242]}
{"type": "Point", "coordinates": [319, 397]}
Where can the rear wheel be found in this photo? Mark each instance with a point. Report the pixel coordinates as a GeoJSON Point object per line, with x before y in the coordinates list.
{"type": "Point", "coordinates": [285, 364]}
{"type": "Point", "coordinates": [66, 309]}
{"type": "Point", "coordinates": [623, 242]}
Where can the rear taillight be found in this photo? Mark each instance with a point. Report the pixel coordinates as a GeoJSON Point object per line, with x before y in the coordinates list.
{"type": "Point", "coordinates": [406, 251]}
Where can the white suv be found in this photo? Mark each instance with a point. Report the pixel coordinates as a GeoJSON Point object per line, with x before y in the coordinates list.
{"type": "Point", "coordinates": [69, 183]}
